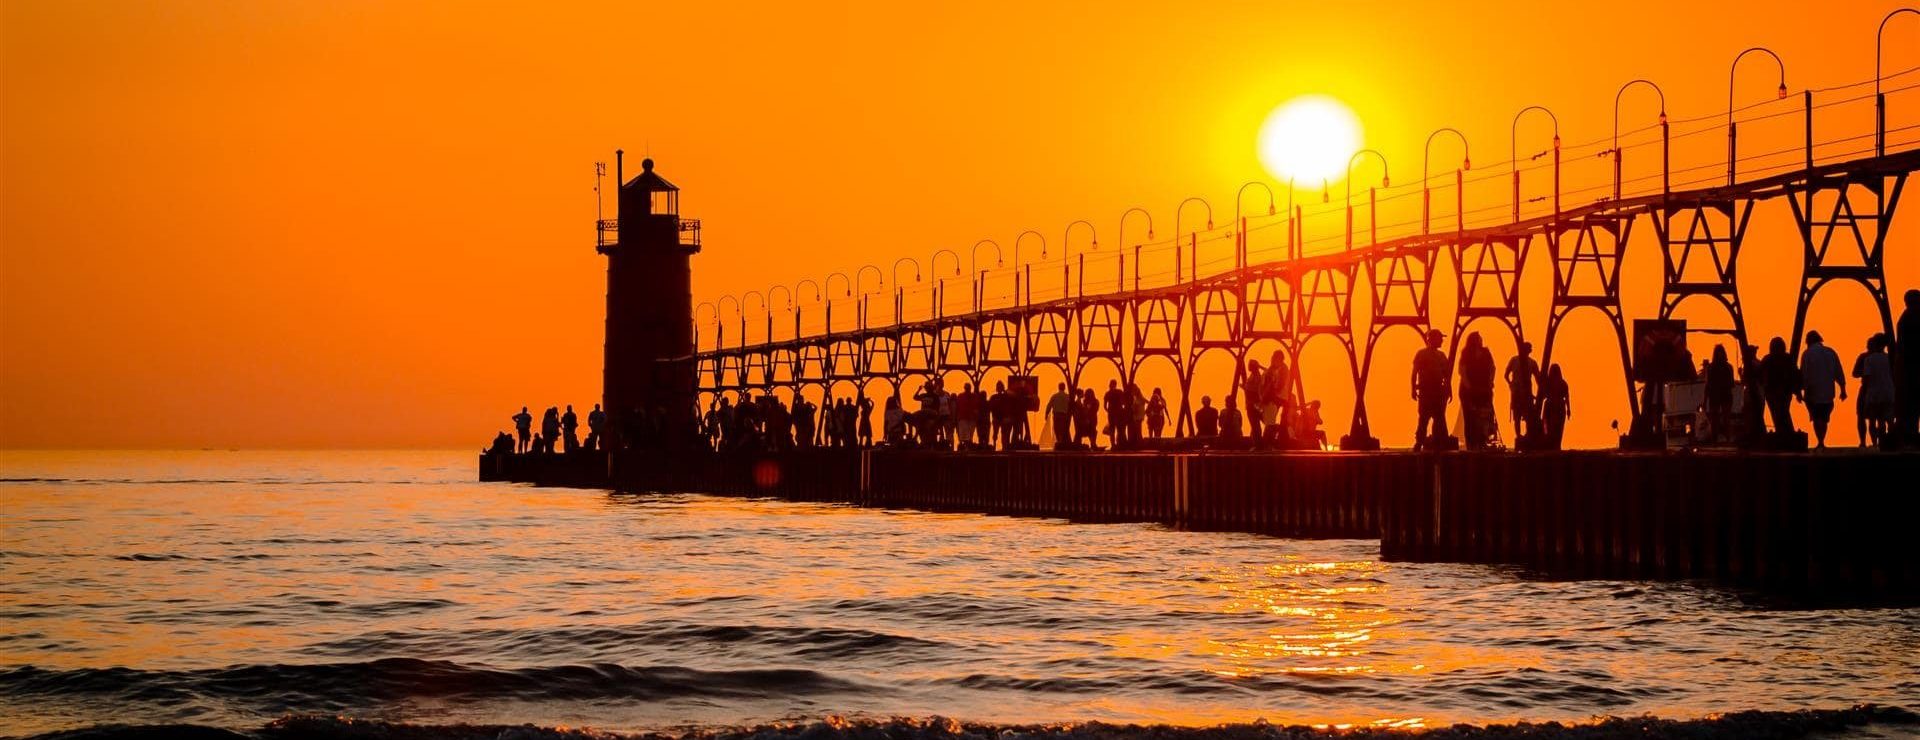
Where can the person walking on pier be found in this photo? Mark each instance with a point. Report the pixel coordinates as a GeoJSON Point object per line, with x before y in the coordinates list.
{"type": "Point", "coordinates": [1873, 407]}
{"type": "Point", "coordinates": [1432, 390]}
{"type": "Point", "coordinates": [1820, 373]}
{"type": "Point", "coordinates": [1156, 414]}
{"type": "Point", "coordinates": [570, 428]}
{"type": "Point", "coordinates": [1206, 421]}
{"type": "Point", "coordinates": [1556, 407]}
{"type": "Point", "coordinates": [1060, 415]}
{"type": "Point", "coordinates": [1521, 375]}
{"type": "Point", "coordinates": [966, 414]}
{"type": "Point", "coordinates": [1780, 384]}
{"type": "Point", "coordinates": [523, 425]}
{"type": "Point", "coordinates": [1719, 392]}
{"type": "Point", "coordinates": [1136, 413]}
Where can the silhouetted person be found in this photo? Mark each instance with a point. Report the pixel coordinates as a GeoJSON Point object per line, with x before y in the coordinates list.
{"type": "Point", "coordinates": [1156, 414]}
{"type": "Point", "coordinates": [1206, 421]}
{"type": "Point", "coordinates": [1873, 407]}
{"type": "Point", "coordinates": [1005, 407]}
{"type": "Point", "coordinates": [1086, 420]}
{"type": "Point", "coordinates": [570, 427]}
{"type": "Point", "coordinates": [893, 422]}
{"type": "Point", "coordinates": [596, 424]}
{"type": "Point", "coordinates": [1556, 407]}
{"type": "Point", "coordinates": [1906, 370]}
{"type": "Point", "coordinates": [1820, 374]}
{"type": "Point", "coordinates": [1276, 399]}
{"type": "Point", "coordinates": [1432, 390]}
{"type": "Point", "coordinates": [866, 420]}
{"type": "Point", "coordinates": [1521, 375]}
{"type": "Point", "coordinates": [1136, 413]}
{"type": "Point", "coordinates": [1779, 384]}
{"type": "Point", "coordinates": [1115, 402]}
{"type": "Point", "coordinates": [1060, 415]}
{"type": "Point", "coordinates": [1719, 392]}
{"type": "Point", "coordinates": [1308, 426]}
{"type": "Point", "coordinates": [1230, 420]}
{"type": "Point", "coordinates": [550, 428]}
{"type": "Point", "coordinates": [1753, 399]}
{"type": "Point", "coordinates": [523, 424]}
{"type": "Point", "coordinates": [1253, 389]}
{"type": "Point", "coordinates": [502, 444]}
{"type": "Point", "coordinates": [1476, 392]}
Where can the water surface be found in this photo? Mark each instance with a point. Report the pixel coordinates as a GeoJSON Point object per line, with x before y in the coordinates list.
{"type": "Point", "coordinates": [226, 589]}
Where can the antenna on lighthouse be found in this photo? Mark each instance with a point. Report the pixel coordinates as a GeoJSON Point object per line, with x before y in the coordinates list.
{"type": "Point", "coordinates": [599, 200]}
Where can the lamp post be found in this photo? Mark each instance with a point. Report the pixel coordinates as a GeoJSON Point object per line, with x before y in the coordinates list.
{"type": "Point", "coordinates": [1018, 266]}
{"type": "Point", "coordinates": [796, 315]}
{"type": "Point", "coordinates": [1665, 142]}
{"type": "Point", "coordinates": [1240, 222]}
{"type": "Point", "coordinates": [1120, 280]}
{"type": "Point", "coordinates": [1066, 248]}
{"type": "Point", "coordinates": [818, 297]}
{"type": "Point", "coordinates": [1513, 148]}
{"type": "Point", "coordinates": [763, 309]}
{"type": "Point", "coordinates": [899, 290]}
{"type": "Point", "coordinates": [860, 291]}
{"type": "Point", "coordinates": [1372, 195]}
{"type": "Point", "coordinates": [1459, 182]}
{"type": "Point", "coordinates": [1880, 98]}
{"type": "Point", "coordinates": [1193, 239]}
{"type": "Point", "coordinates": [718, 305]}
{"type": "Point", "coordinates": [940, 283]}
{"type": "Point", "coordinates": [696, 323]}
{"type": "Point", "coordinates": [1733, 135]}
{"type": "Point", "coordinates": [979, 275]}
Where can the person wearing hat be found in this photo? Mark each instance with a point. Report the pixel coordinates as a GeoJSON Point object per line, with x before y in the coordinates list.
{"type": "Point", "coordinates": [1431, 389]}
{"type": "Point", "coordinates": [1820, 374]}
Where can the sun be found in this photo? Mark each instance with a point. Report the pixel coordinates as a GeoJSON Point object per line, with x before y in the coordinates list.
{"type": "Point", "coordinates": [1309, 138]}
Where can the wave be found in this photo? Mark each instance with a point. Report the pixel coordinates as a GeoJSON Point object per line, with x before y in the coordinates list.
{"type": "Point", "coordinates": [613, 644]}
{"type": "Point", "coordinates": [1866, 721]}
{"type": "Point", "coordinates": [340, 686]}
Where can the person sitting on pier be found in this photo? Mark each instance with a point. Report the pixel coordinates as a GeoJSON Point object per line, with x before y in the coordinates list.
{"type": "Point", "coordinates": [1873, 407]}
{"type": "Point", "coordinates": [1556, 407]}
{"type": "Point", "coordinates": [596, 421]}
{"type": "Point", "coordinates": [1780, 384]}
{"type": "Point", "coordinates": [1432, 390]}
{"type": "Point", "coordinates": [1521, 374]}
{"type": "Point", "coordinates": [1060, 415]}
{"type": "Point", "coordinates": [523, 423]}
{"type": "Point", "coordinates": [1156, 414]}
{"type": "Point", "coordinates": [1086, 420]}
{"type": "Point", "coordinates": [1820, 374]}
{"type": "Point", "coordinates": [1230, 421]}
{"type": "Point", "coordinates": [502, 445]}
{"type": "Point", "coordinates": [1307, 426]}
{"type": "Point", "coordinates": [570, 428]}
{"type": "Point", "coordinates": [1206, 421]}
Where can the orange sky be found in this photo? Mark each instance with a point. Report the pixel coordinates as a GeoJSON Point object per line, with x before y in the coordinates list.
{"type": "Point", "coordinates": [365, 225]}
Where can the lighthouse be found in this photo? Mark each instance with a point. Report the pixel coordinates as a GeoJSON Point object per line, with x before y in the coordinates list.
{"type": "Point", "coordinates": [649, 363]}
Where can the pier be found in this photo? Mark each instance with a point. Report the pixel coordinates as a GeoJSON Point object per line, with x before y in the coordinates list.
{"type": "Point", "coordinates": [1827, 528]}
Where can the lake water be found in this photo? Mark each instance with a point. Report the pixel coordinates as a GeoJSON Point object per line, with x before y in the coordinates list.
{"type": "Point", "coordinates": [230, 588]}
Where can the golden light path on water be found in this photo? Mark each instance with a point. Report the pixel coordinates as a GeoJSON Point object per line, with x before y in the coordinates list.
{"type": "Point", "coordinates": [236, 587]}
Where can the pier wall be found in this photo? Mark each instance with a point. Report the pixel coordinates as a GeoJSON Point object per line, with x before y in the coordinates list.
{"type": "Point", "coordinates": [1839, 527]}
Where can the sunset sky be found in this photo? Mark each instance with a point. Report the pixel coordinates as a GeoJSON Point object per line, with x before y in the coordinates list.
{"type": "Point", "coordinates": [360, 224]}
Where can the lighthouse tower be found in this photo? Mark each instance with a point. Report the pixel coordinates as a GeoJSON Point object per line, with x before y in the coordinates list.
{"type": "Point", "coordinates": [649, 347]}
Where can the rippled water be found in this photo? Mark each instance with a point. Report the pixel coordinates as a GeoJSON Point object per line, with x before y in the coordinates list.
{"type": "Point", "coordinates": [230, 588]}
